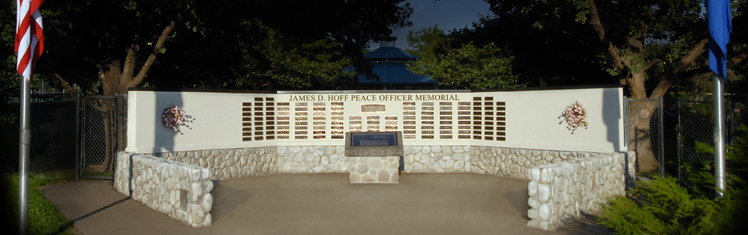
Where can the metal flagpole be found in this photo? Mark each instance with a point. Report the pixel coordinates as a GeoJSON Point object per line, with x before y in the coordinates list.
{"type": "Point", "coordinates": [719, 137]}
{"type": "Point", "coordinates": [720, 27]}
{"type": "Point", "coordinates": [24, 161]}
{"type": "Point", "coordinates": [29, 45]}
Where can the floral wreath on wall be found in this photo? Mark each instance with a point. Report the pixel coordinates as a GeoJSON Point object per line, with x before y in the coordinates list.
{"type": "Point", "coordinates": [575, 116]}
{"type": "Point", "coordinates": [174, 117]}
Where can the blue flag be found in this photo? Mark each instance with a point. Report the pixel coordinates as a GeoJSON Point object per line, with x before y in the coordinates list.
{"type": "Point", "coordinates": [720, 27]}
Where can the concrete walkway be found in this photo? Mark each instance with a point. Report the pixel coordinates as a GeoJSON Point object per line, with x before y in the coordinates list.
{"type": "Point", "coordinates": [322, 204]}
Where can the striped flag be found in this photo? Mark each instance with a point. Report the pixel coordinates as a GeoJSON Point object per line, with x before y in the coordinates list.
{"type": "Point", "coordinates": [29, 36]}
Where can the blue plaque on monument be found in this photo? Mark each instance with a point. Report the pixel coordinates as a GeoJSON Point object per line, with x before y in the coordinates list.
{"type": "Point", "coordinates": [374, 139]}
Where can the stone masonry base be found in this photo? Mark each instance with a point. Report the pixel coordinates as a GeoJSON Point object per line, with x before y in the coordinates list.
{"type": "Point", "coordinates": [374, 170]}
{"type": "Point", "coordinates": [570, 192]}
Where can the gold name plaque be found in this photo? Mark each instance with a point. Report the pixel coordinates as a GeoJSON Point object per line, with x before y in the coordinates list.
{"type": "Point", "coordinates": [372, 108]}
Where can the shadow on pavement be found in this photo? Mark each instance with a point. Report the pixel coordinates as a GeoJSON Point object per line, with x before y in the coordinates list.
{"type": "Point", "coordinates": [72, 222]}
{"type": "Point", "coordinates": [518, 199]}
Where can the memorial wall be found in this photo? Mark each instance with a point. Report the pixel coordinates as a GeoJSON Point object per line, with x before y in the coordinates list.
{"type": "Point", "coordinates": [524, 118]}
{"type": "Point", "coordinates": [511, 133]}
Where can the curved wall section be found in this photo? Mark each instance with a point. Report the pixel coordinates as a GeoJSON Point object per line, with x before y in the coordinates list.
{"type": "Point", "coordinates": [521, 119]}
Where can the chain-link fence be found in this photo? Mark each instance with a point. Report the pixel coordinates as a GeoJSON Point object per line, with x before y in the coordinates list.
{"type": "Point", "coordinates": [696, 133]}
{"type": "Point", "coordinates": [53, 124]}
{"type": "Point", "coordinates": [104, 128]}
{"type": "Point", "coordinates": [644, 132]}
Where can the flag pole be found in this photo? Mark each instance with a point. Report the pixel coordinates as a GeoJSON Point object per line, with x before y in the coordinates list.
{"type": "Point", "coordinates": [24, 159]}
{"type": "Point", "coordinates": [720, 27]}
{"type": "Point", "coordinates": [719, 134]}
{"type": "Point", "coordinates": [29, 46]}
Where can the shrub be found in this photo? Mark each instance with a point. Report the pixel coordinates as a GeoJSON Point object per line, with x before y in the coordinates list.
{"type": "Point", "coordinates": [663, 206]}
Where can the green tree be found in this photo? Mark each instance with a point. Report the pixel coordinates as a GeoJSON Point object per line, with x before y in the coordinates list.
{"type": "Point", "coordinates": [9, 80]}
{"type": "Point", "coordinates": [560, 56]}
{"type": "Point", "coordinates": [647, 45]}
{"type": "Point", "coordinates": [469, 67]}
{"type": "Point", "coordinates": [272, 45]}
{"type": "Point", "coordinates": [427, 42]}
{"type": "Point", "coordinates": [106, 47]}
{"type": "Point", "coordinates": [274, 63]}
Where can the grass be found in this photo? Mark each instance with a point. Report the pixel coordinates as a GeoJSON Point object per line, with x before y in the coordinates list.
{"type": "Point", "coordinates": [43, 216]}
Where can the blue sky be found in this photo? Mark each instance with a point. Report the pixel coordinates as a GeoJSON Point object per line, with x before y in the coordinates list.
{"type": "Point", "coordinates": [447, 14]}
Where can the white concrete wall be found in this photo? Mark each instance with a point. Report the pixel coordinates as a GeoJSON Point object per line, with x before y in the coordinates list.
{"type": "Point", "coordinates": [217, 123]}
{"type": "Point", "coordinates": [531, 118]}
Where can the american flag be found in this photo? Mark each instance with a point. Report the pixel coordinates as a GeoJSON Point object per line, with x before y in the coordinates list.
{"type": "Point", "coordinates": [29, 36]}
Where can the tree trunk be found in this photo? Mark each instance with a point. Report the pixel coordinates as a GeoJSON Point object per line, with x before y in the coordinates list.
{"type": "Point", "coordinates": [641, 136]}
{"type": "Point", "coordinates": [116, 77]}
{"type": "Point", "coordinates": [640, 131]}
{"type": "Point", "coordinates": [106, 110]}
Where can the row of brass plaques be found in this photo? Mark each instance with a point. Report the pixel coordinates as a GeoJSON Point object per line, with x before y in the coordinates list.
{"type": "Point", "coordinates": [482, 119]}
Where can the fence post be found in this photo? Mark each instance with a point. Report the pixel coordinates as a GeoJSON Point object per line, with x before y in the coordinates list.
{"type": "Point", "coordinates": [77, 136]}
{"type": "Point", "coordinates": [626, 122]}
{"type": "Point", "coordinates": [678, 137]}
{"type": "Point", "coordinates": [732, 124]}
{"type": "Point", "coordinates": [662, 138]}
{"type": "Point", "coordinates": [116, 137]}
{"type": "Point", "coordinates": [83, 135]}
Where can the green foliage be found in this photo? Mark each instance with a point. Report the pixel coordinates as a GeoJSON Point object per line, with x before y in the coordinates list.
{"type": "Point", "coordinates": [44, 218]}
{"type": "Point", "coordinates": [652, 38]}
{"type": "Point", "coordinates": [209, 47]}
{"type": "Point", "coordinates": [558, 55]}
{"type": "Point", "coordinates": [668, 208]}
{"type": "Point", "coordinates": [662, 206]}
{"type": "Point", "coordinates": [428, 42]}
{"type": "Point", "coordinates": [626, 217]}
{"type": "Point", "coordinates": [9, 78]}
{"type": "Point", "coordinates": [469, 67]}
{"type": "Point", "coordinates": [278, 64]}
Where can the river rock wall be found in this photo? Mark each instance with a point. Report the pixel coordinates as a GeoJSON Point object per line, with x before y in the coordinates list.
{"type": "Point", "coordinates": [179, 190]}
{"type": "Point", "coordinates": [559, 192]}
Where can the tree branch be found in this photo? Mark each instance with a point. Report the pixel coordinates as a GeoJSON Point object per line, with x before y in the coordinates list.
{"type": "Point", "coordinates": [651, 63]}
{"type": "Point", "coordinates": [695, 72]}
{"type": "Point", "coordinates": [705, 69]}
{"type": "Point", "coordinates": [618, 61]}
{"type": "Point", "coordinates": [738, 59]}
{"type": "Point", "coordinates": [636, 43]}
{"type": "Point", "coordinates": [110, 77]}
{"type": "Point", "coordinates": [66, 85]}
{"type": "Point", "coordinates": [680, 67]}
{"type": "Point", "coordinates": [152, 58]}
{"type": "Point", "coordinates": [130, 59]}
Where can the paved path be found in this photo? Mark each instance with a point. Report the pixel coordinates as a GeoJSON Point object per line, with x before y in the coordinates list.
{"type": "Point", "coordinates": [322, 204]}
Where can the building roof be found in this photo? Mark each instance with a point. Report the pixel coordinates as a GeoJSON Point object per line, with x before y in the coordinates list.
{"type": "Point", "coordinates": [386, 53]}
{"type": "Point", "coordinates": [390, 64]}
{"type": "Point", "coordinates": [395, 73]}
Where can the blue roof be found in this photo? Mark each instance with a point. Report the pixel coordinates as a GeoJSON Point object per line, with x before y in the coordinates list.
{"type": "Point", "coordinates": [395, 73]}
{"type": "Point", "coordinates": [390, 53]}
{"type": "Point", "coordinates": [390, 64]}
